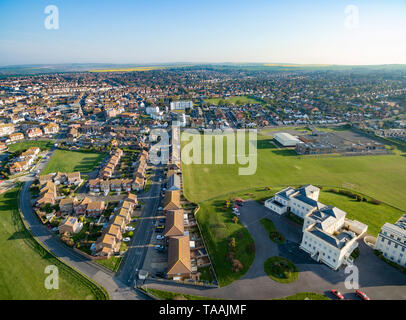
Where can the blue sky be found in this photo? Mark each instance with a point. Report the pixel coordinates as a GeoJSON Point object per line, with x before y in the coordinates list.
{"type": "Point", "coordinates": [158, 31]}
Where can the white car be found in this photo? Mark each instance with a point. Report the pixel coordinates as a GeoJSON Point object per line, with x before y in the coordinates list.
{"type": "Point", "coordinates": [129, 229]}
{"type": "Point", "coordinates": [160, 237]}
{"type": "Point", "coordinates": [127, 239]}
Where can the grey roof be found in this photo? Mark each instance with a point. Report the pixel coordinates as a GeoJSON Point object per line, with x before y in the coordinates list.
{"type": "Point", "coordinates": [285, 193]}
{"type": "Point", "coordinates": [173, 182]}
{"type": "Point", "coordinates": [338, 241]}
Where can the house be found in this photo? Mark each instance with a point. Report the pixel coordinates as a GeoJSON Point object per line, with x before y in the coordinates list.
{"type": "Point", "coordinates": [80, 208]}
{"type": "Point", "coordinates": [70, 225]}
{"type": "Point", "coordinates": [298, 201]}
{"type": "Point", "coordinates": [74, 178]}
{"type": "Point", "coordinates": [105, 186]}
{"type": "Point", "coordinates": [172, 200]}
{"type": "Point", "coordinates": [391, 241]}
{"type": "Point", "coordinates": [47, 194]}
{"type": "Point", "coordinates": [179, 263]}
{"type": "Point", "coordinates": [132, 198]}
{"type": "Point", "coordinates": [3, 147]}
{"type": "Point", "coordinates": [6, 129]}
{"type": "Point", "coordinates": [127, 184]}
{"type": "Point", "coordinates": [16, 136]}
{"type": "Point", "coordinates": [125, 214]}
{"type": "Point", "coordinates": [138, 184]}
{"type": "Point", "coordinates": [45, 178]}
{"type": "Point", "coordinates": [120, 222]}
{"type": "Point", "coordinates": [95, 208]}
{"type": "Point", "coordinates": [114, 231]}
{"type": "Point", "coordinates": [34, 132]}
{"type": "Point", "coordinates": [106, 245]}
{"type": "Point", "coordinates": [66, 206]}
{"type": "Point", "coordinates": [51, 128]}
{"type": "Point", "coordinates": [174, 224]}
{"type": "Point", "coordinates": [115, 185]}
{"type": "Point", "coordinates": [94, 185]}
{"type": "Point", "coordinates": [173, 183]}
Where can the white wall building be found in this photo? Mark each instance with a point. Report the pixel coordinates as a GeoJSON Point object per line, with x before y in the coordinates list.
{"type": "Point", "coordinates": [286, 139]}
{"type": "Point", "coordinates": [327, 235]}
{"type": "Point", "coordinates": [392, 241]}
{"type": "Point", "coordinates": [181, 105]}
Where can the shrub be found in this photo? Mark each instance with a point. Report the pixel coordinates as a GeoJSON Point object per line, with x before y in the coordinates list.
{"type": "Point", "coordinates": [237, 265]}
{"type": "Point", "coordinates": [374, 201]}
{"type": "Point", "coordinates": [251, 247]}
{"type": "Point", "coordinates": [235, 219]}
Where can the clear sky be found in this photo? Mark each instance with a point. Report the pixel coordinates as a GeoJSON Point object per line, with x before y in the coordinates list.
{"type": "Point", "coordinates": [158, 31]}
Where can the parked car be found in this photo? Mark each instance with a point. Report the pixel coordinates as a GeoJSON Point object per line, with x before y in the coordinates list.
{"type": "Point", "coordinates": [162, 220]}
{"type": "Point", "coordinates": [337, 294]}
{"type": "Point", "coordinates": [160, 275]}
{"type": "Point", "coordinates": [362, 295]}
{"type": "Point", "coordinates": [159, 247]}
{"type": "Point", "coordinates": [160, 237]}
{"type": "Point", "coordinates": [160, 209]}
{"type": "Point", "coordinates": [129, 229]}
{"type": "Point", "coordinates": [159, 230]}
{"type": "Point", "coordinates": [127, 239]}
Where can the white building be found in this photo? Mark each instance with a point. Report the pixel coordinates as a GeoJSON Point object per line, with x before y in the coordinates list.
{"type": "Point", "coordinates": [392, 241]}
{"type": "Point", "coordinates": [298, 201]}
{"type": "Point", "coordinates": [327, 235]}
{"type": "Point", "coordinates": [181, 105]}
{"type": "Point", "coordinates": [286, 139]}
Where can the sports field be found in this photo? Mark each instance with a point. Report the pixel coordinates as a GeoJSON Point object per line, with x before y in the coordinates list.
{"type": "Point", "coordinates": [70, 161]}
{"type": "Point", "coordinates": [381, 177]}
{"type": "Point", "coordinates": [23, 262]}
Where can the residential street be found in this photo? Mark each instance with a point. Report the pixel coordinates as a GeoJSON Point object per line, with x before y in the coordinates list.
{"type": "Point", "coordinates": [137, 251]}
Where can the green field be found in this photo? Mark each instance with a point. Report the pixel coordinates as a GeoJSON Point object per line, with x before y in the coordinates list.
{"type": "Point", "coordinates": [237, 100]}
{"type": "Point", "coordinates": [24, 145]}
{"type": "Point", "coordinates": [23, 262]}
{"type": "Point", "coordinates": [70, 161]}
{"type": "Point", "coordinates": [379, 177]}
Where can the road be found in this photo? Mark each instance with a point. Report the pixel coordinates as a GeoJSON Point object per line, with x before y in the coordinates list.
{"type": "Point", "coordinates": [135, 256]}
{"type": "Point", "coordinates": [116, 289]}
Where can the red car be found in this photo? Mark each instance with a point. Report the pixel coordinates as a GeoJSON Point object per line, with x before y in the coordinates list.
{"type": "Point", "coordinates": [337, 294]}
{"type": "Point", "coordinates": [362, 295]}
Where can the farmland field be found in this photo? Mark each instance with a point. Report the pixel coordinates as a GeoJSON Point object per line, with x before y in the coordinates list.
{"type": "Point", "coordinates": [140, 69]}
{"type": "Point", "coordinates": [24, 261]}
{"type": "Point", "coordinates": [70, 161]}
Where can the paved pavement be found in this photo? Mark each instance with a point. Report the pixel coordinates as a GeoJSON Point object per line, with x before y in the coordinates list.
{"type": "Point", "coordinates": [376, 278]}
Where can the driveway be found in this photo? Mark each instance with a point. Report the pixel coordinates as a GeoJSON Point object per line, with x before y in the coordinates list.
{"type": "Point", "coordinates": [376, 278]}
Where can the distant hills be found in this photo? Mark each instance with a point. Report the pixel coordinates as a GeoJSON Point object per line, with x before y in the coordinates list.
{"type": "Point", "coordinates": [24, 70]}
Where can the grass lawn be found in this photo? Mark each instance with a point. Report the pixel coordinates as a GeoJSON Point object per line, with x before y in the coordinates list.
{"type": "Point", "coordinates": [381, 177]}
{"type": "Point", "coordinates": [112, 263]}
{"type": "Point", "coordinates": [166, 295]}
{"type": "Point", "coordinates": [217, 229]}
{"type": "Point", "coordinates": [23, 262]}
{"type": "Point", "coordinates": [306, 296]}
{"type": "Point", "coordinates": [236, 100]}
{"type": "Point", "coordinates": [274, 235]}
{"type": "Point", "coordinates": [70, 161]}
{"type": "Point", "coordinates": [24, 145]}
{"type": "Point", "coordinates": [375, 216]}
{"type": "Point", "coordinates": [281, 270]}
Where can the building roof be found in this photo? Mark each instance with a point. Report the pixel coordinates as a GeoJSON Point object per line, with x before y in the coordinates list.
{"type": "Point", "coordinates": [172, 200]}
{"type": "Point", "coordinates": [174, 224]}
{"type": "Point", "coordinates": [179, 256]}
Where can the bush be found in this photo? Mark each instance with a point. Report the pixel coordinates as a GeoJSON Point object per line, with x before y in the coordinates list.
{"type": "Point", "coordinates": [251, 247]}
{"type": "Point", "coordinates": [376, 202]}
{"type": "Point", "coordinates": [237, 265]}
